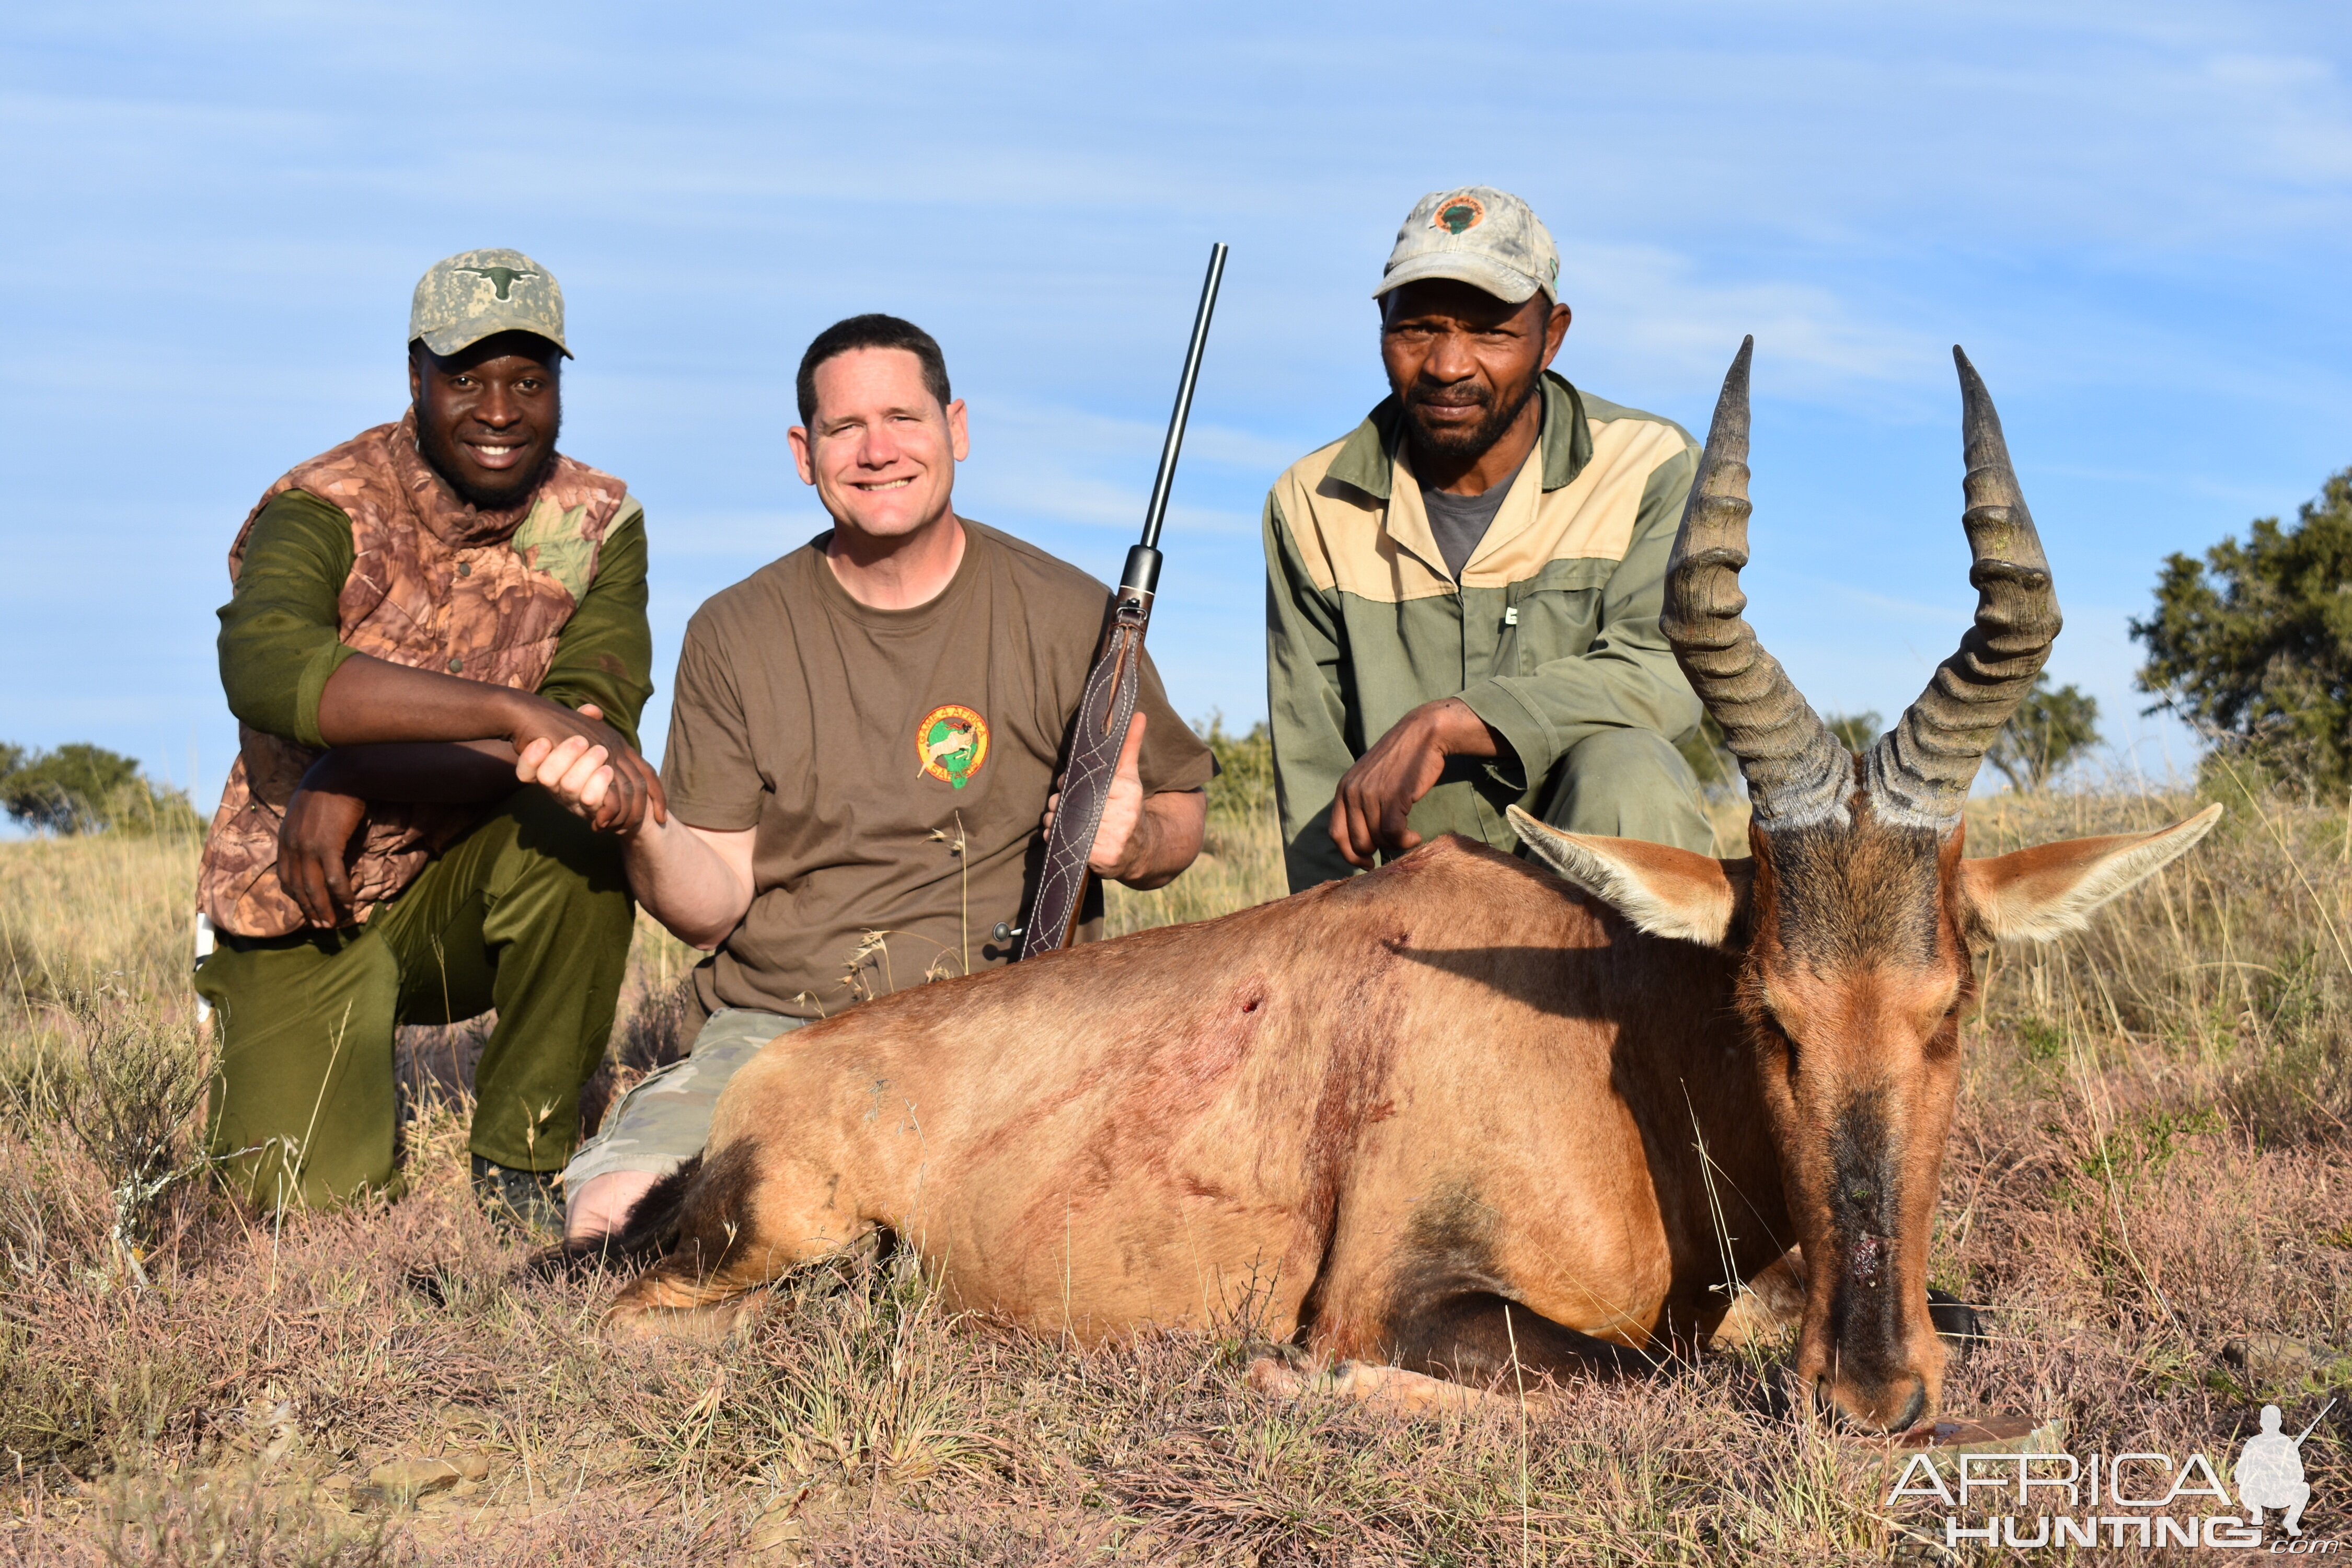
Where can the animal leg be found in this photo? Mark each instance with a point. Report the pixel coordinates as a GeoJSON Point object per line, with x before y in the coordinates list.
{"type": "Point", "coordinates": [1477, 1337]}
{"type": "Point", "coordinates": [728, 1230]}
{"type": "Point", "coordinates": [1769, 1304]}
{"type": "Point", "coordinates": [1394, 1389]}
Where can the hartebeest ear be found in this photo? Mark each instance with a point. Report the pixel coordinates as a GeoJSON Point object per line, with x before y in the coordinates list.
{"type": "Point", "coordinates": [1663, 890]}
{"type": "Point", "coordinates": [2052, 889]}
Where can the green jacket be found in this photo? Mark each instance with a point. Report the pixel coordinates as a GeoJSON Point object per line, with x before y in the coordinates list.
{"type": "Point", "coordinates": [1551, 635]}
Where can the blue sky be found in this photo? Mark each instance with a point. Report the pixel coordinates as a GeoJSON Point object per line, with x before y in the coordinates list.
{"type": "Point", "coordinates": [2136, 217]}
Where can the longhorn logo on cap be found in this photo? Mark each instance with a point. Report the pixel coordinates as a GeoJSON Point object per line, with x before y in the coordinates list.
{"type": "Point", "coordinates": [503, 278]}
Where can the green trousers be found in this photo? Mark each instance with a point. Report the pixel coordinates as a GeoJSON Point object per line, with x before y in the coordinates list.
{"type": "Point", "coordinates": [529, 913]}
{"type": "Point", "coordinates": [1629, 784]}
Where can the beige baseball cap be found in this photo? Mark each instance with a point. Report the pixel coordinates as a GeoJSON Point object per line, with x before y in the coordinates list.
{"type": "Point", "coordinates": [476, 293]}
{"type": "Point", "coordinates": [1476, 235]}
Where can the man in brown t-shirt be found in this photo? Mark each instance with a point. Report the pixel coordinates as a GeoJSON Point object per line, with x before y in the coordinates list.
{"type": "Point", "coordinates": [862, 752]}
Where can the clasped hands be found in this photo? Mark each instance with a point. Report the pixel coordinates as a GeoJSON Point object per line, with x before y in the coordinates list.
{"type": "Point", "coordinates": [593, 771]}
{"type": "Point", "coordinates": [579, 758]}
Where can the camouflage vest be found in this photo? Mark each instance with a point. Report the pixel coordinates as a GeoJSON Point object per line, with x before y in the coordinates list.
{"type": "Point", "coordinates": [434, 584]}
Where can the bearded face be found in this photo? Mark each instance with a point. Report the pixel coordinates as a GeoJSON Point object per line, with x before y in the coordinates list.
{"type": "Point", "coordinates": [1465, 364]}
{"type": "Point", "coordinates": [1436, 413]}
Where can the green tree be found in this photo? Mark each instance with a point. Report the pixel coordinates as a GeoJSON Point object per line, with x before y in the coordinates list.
{"type": "Point", "coordinates": [2049, 731]}
{"type": "Point", "coordinates": [2254, 642]}
{"type": "Point", "coordinates": [82, 789]}
{"type": "Point", "coordinates": [1245, 782]}
{"type": "Point", "coordinates": [1857, 731]}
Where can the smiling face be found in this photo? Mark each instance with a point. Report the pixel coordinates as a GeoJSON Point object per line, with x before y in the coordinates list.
{"type": "Point", "coordinates": [878, 446]}
{"type": "Point", "coordinates": [488, 416]}
{"type": "Point", "coordinates": [1466, 363]}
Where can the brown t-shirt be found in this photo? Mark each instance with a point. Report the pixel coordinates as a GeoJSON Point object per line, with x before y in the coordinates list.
{"type": "Point", "coordinates": [863, 743]}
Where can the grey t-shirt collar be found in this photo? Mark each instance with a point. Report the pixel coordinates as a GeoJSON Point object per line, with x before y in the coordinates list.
{"type": "Point", "coordinates": [1460, 522]}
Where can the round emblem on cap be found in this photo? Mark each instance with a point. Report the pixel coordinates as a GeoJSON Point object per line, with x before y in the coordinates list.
{"type": "Point", "coordinates": [1459, 215]}
{"type": "Point", "coordinates": [951, 743]}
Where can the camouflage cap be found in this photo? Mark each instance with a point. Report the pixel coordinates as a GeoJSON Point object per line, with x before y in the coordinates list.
{"type": "Point", "coordinates": [476, 293]}
{"type": "Point", "coordinates": [1478, 235]}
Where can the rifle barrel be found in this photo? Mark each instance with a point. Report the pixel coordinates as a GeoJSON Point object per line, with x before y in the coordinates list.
{"type": "Point", "coordinates": [1157, 513]}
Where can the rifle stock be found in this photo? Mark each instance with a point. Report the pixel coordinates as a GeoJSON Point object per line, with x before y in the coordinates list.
{"type": "Point", "coordinates": [1098, 729]}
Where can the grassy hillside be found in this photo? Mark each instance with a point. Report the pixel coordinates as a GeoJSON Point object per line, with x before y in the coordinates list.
{"type": "Point", "coordinates": [2152, 1162]}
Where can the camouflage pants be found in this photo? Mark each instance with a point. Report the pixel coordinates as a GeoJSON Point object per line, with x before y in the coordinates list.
{"type": "Point", "coordinates": [666, 1119]}
{"type": "Point", "coordinates": [529, 913]}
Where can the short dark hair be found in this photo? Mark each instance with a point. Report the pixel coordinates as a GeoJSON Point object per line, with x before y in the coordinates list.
{"type": "Point", "coordinates": [872, 331]}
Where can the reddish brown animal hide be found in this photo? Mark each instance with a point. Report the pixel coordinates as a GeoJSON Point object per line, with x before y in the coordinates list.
{"type": "Point", "coordinates": [1461, 1113]}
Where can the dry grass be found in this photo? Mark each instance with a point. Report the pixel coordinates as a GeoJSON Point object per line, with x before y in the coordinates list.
{"type": "Point", "coordinates": [2151, 1159]}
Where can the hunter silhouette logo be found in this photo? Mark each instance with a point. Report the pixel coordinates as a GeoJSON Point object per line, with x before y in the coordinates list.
{"type": "Point", "coordinates": [2055, 1500]}
{"type": "Point", "coordinates": [501, 279]}
{"type": "Point", "coordinates": [1459, 215]}
{"type": "Point", "coordinates": [951, 743]}
{"type": "Point", "coordinates": [2269, 1472]}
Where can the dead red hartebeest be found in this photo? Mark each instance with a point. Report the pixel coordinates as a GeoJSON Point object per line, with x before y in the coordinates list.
{"type": "Point", "coordinates": [1460, 1113]}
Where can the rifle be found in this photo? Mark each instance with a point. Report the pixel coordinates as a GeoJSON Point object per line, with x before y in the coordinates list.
{"type": "Point", "coordinates": [1098, 729]}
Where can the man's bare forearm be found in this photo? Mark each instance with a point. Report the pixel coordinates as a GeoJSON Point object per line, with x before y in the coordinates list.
{"type": "Point", "coordinates": [452, 772]}
{"type": "Point", "coordinates": [369, 702]}
{"type": "Point", "coordinates": [685, 883]}
{"type": "Point", "coordinates": [1166, 840]}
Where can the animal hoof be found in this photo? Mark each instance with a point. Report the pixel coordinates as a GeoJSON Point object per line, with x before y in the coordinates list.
{"type": "Point", "coordinates": [623, 1325]}
{"type": "Point", "coordinates": [1960, 1325]}
{"type": "Point", "coordinates": [709, 1325]}
{"type": "Point", "coordinates": [1270, 1376]}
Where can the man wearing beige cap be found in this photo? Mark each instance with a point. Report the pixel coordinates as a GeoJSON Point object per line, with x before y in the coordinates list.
{"type": "Point", "coordinates": [409, 611]}
{"type": "Point", "coordinates": [1463, 595]}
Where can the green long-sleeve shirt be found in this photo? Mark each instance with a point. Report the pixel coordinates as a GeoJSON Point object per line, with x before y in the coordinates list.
{"type": "Point", "coordinates": [1550, 635]}
{"type": "Point", "coordinates": [280, 638]}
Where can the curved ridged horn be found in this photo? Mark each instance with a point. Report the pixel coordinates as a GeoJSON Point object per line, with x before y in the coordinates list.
{"type": "Point", "coordinates": [1797, 773]}
{"type": "Point", "coordinates": [1921, 771]}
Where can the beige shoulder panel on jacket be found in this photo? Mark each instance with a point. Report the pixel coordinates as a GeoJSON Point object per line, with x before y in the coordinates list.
{"type": "Point", "coordinates": [1590, 518]}
{"type": "Point", "coordinates": [1384, 552]}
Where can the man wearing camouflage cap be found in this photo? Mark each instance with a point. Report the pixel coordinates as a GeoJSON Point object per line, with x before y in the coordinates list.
{"type": "Point", "coordinates": [411, 610]}
{"type": "Point", "coordinates": [1463, 595]}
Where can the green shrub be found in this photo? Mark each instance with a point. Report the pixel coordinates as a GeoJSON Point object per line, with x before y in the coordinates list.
{"type": "Point", "coordinates": [82, 789]}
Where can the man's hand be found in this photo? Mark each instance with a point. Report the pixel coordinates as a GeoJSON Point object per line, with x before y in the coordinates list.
{"type": "Point", "coordinates": [1143, 841]}
{"type": "Point", "coordinates": [1368, 811]}
{"type": "Point", "coordinates": [583, 763]}
{"type": "Point", "coordinates": [314, 847]}
{"type": "Point", "coordinates": [1123, 839]}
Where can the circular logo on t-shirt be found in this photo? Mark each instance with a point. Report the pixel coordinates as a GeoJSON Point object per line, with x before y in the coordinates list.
{"type": "Point", "coordinates": [951, 742]}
